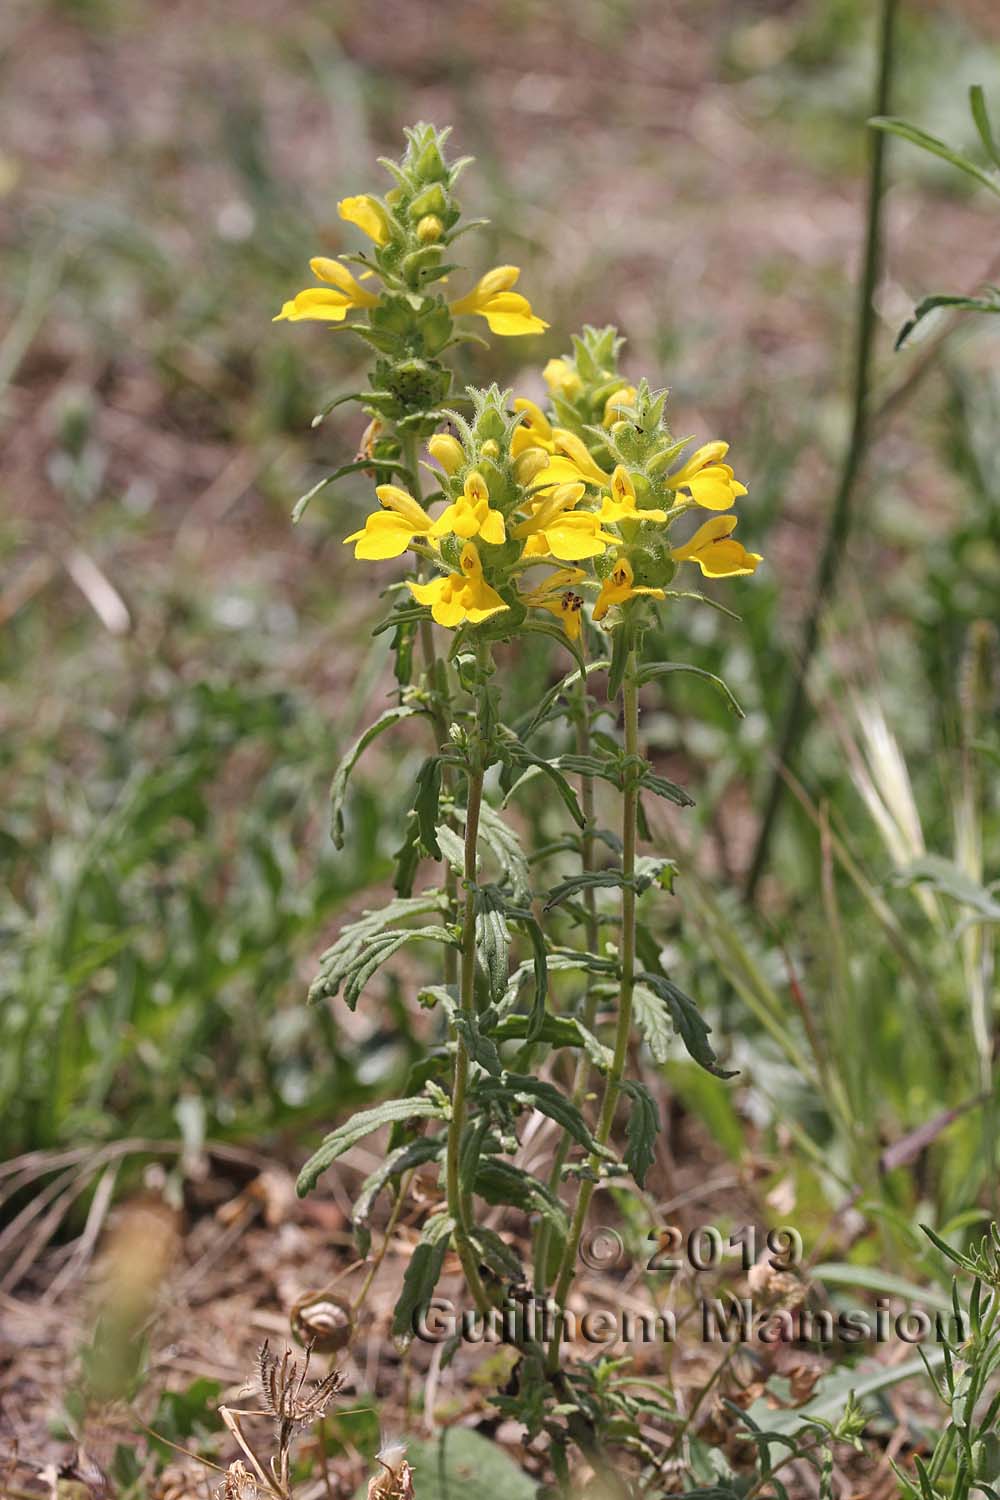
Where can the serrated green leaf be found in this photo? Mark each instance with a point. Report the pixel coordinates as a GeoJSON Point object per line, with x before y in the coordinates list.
{"type": "Point", "coordinates": [422, 1273]}
{"type": "Point", "coordinates": [366, 944]}
{"type": "Point", "coordinates": [651, 1018]}
{"type": "Point", "coordinates": [500, 1182]}
{"type": "Point", "coordinates": [641, 1130]}
{"type": "Point", "coordinates": [355, 1130]}
{"type": "Point", "coordinates": [690, 1024]}
{"type": "Point", "coordinates": [539, 1094]}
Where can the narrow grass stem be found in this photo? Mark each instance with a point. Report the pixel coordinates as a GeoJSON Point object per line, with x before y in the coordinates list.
{"type": "Point", "coordinates": [623, 1029]}
{"type": "Point", "coordinates": [841, 514]}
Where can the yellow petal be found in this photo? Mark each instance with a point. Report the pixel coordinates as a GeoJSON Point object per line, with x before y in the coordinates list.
{"type": "Point", "coordinates": [334, 272]}
{"type": "Point", "coordinates": [385, 535]}
{"type": "Point", "coordinates": [368, 215]}
{"type": "Point", "coordinates": [492, 529]}
{"type": "Point", "coordinates": [428, 593]}
{"type": "Point", "coordinates": [316, 303]}
{"type": "Point", "coordinates": [510, 315]}
{"type": "Point", "coordinates": [562, 379]}
{"type": "Point", "coordinates": [708, 532]}
{"type": "Point", "coordinates": [534, 422]}
{"type": "Point", "coordinates": [573, 448]}
{"type": "Point", "coordinates": [393, 498]}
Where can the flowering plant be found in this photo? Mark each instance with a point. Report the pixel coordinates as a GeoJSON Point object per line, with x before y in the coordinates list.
{"type": "Point", "coordinates": [518, 522]}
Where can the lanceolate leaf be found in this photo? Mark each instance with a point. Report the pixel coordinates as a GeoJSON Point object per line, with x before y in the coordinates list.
{"type": "Point", "coordinates": [926, 142]}
{"type": "Point", "coordinates": [990, 304]}
{"type": "Point", "coordinates": [352, 468]}
{"type": "Point", "coordinates": [652, 1019]}
{"type": "Point", "coordinates": [502, 1182]}
{"type": "Point", "coordinates": [357, 1127]}
{"type": "Point", "coordinates": [424, 1149]}
{"type": "Point", "coordinates": [656, 669]}
{"type": "Point", "coordinates": [520, 757]}
{"type": "Point", "coordinates": [492, 938]}
{"type": "Point", "coordinates": [649, 871]}
{"type": "Point", "coordinates": [544, 1096]}
{"type": "Point", "coordinates": [368, 942]}
{"type": "Point", "coordinates": [977, 103]}
{"type": "Point", "coordinates": [342, 774]}
{"type": "Point", "coordinates": [643, 1124]}
{"type": "Point", "coordinates": [422, 1273]}
{"type": "Point", "coordinates": [691, 1026]}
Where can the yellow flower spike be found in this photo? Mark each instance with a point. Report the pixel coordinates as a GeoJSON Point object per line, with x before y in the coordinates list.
{"type": "Point", "coordinates": [470, 515]}
{"type": "Point", "coordinates": [624, 396]}
{"type": "Point", "coordinates": [506, 312]}
{"type": "Point", "coordinates": [620, 587]}
{"type": "Point", "coordinates": [368, 215]}
{"type": "Point", "coordinates": [447, 450]}
{"type": "Point", "coordinates": [533, 431]}
{"type": "Point", "coordinates": [562, 379]}
{"type": "Point", "coordinates": [620, 504]}
{"type": "Point", "coordinates": [552, 531]}
{"type": "Point", "coordinates": [709, 481]}
{"type": "Point", "coordinates": [327, 304]}
{"type": "Point", "coordinates": [460, 597]}
{"type": "Point", "coordinates": [388, 532]}
{"type": "Point", "coordinates": [717, 552]}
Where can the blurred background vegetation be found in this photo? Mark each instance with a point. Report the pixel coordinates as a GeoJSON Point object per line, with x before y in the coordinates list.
{"type": "Point", "coordinates": [181, 669]}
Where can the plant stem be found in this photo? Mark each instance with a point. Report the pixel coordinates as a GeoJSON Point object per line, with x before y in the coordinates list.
{"type": "Point", "coordinates": [592, 932]}
{"type": "Point", "coordinates": [437, 679]}
{"type": "Point", "coordinates": [623, 1029]}
{"type": "Point", "coordinates": [841, 514]}
{"type": "Point", "coordinates": [457, 1200]}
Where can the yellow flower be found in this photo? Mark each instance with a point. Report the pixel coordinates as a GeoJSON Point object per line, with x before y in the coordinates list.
{"type": "Point", "coordinates": [620, 587]}
{"type": "Point", "coordinates": [624, 396]}
{"type": "Point", "coordinates": [620, 504]}
{"type": "Point", "coordinates": [570, 463]}
{"type": "Point", "coordinates": [709, 480]}
{"type": "Point", "coordinates": [552, 531]}
{"type": "Point", "coordinates": [718, 553]}
{"type": "Point", "coordinates": [562, 380]}
{"type": "Point", "coordinates": [388, 532]}
{"type": "Point", "coordinates": [460, 596]}
{"type": "Point", "coordinates": [506, 312]}
{"type": "Point", "coordinates": [555, 595]}
{"type": "Point", "coordinates": [327, 304]}
{"type": "Point", "coordinates": [368, 215]}
{"type": "Point", "coordinates": [529, 464]}
{"type": "Point", "coordinates": [533, 431]}
{"type": "Point", "coordinates": [470, 515]}
{"type": "Point", "coordinates": [447, 450]}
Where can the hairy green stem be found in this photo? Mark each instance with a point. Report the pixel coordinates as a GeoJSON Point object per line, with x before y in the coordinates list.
{"type": "Point", "coordinates": [437, 679]}
{"type": "Point", "coordinates": [458, 1200]}
{"type": "Point", "coordinates": [623, 1029]}
{"type": "Point", "coordinates": [841, 514]}
{"type": "Point", "coordinates": [592, 932]}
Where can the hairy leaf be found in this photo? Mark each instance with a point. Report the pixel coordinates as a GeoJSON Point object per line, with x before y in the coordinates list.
{"type": "Point", "coordinates": [641, 1130]}
{"type": "Point", "coordinates": [360, 1125]}
{"type": "Point", "coordinates": [691, 1026]}
{"type": "Point", "coordinates": [422, 1274]}
{"type": "Point", "coordinates": [655, 669]}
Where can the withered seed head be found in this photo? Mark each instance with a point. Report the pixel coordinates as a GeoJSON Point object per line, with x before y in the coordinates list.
{"type": "Point", "coordinates": [283, 1387]}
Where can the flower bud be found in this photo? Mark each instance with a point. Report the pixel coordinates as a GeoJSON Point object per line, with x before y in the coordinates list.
{"type": "Point", "coordinates": [562, 379]}
{"type": "Point", "coordinates": [447, 451]}
{"type": "Point", "coordinates": [529, 464]}
{"type": "Point", "coordinates": [429, 229]}
{"type": "Point", "coordinates": [431, 201]}
{"type": "Point", "coordinates": [490, 449]}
